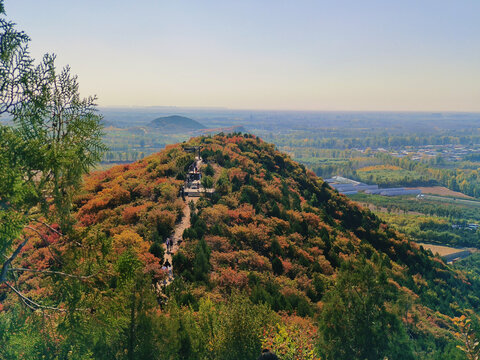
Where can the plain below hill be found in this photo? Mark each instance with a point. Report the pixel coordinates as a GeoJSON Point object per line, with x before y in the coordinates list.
{"type": "Point", "coordinates": [175, 124]}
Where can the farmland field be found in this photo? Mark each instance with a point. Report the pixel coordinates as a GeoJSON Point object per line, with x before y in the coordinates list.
{"type": "Point", "coordinates": [442, 191]}
{"type": "Point", "coordinates": [441, 250]}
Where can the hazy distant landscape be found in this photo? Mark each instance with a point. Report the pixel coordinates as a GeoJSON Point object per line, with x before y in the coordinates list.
{"type": "Point", "coordinates": [301, 130]}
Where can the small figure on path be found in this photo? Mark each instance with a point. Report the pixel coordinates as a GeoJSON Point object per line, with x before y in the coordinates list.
{"type": "Point", "coordinates": [169, 269]}
{"type": "Point", "coordinates": [169, 244]}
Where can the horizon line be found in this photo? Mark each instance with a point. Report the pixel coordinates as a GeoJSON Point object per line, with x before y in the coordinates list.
{"type": "Point", "coordinates": [283, 110]}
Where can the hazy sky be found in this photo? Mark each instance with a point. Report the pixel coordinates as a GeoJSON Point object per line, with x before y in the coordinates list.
{"type": "Point", "coordinates": [265, 54]}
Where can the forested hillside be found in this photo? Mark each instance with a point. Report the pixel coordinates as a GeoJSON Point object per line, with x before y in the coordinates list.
{"type": "Point", "coordinates": [303, 267]}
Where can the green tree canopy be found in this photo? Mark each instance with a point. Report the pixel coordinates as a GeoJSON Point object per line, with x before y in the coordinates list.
{"type": "Point", "coordinates": [355, 321]}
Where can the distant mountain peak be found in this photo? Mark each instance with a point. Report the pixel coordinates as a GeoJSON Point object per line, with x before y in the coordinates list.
{"type": "Point", "coordinates": [176, 123]}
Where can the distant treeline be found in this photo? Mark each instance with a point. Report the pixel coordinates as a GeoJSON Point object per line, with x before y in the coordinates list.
{"type": "Point", "coordinates": [340, 141]}
{"type": "Point", "coordinates": [455, 212]}
{"type": "Point", "coordinates": [116, 156]}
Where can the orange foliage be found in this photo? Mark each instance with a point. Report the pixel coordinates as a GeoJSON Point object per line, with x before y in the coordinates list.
{"type": "Point", "coordinates": [218, 243]}
{"type": "Point", "coordinates": [131, 214]}
{"type": "Point", "coordinates": [243, 260]}
{"type": "Point", "coordinates": [158, 217]}
{"type": "Point", "coordinates": [216, 214]}
{"type": "Point", "coordinates": [229, 279]}
{"type": "Point", "coordinates": [251, 235]}
{"type": "Point", "coordinates": [379, 167]}
{"type": "Point", "coordinates": [272, 191]}
{"type": "Point", "coordinates": [236, 172]}
{"type": "Point", "coordinates": [243, 214]}
{"type": "Point", "coordinates": [130, 240]}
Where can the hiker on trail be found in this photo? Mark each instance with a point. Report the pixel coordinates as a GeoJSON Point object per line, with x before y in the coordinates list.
{"type": "Point", "coordinates": [169, 269]}
{"type": "Point", "coordinates": [168, 244]}
{"type": "Point", "coordinates": [267, 355]}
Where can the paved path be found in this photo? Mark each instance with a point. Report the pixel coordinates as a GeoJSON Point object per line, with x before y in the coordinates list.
{"type": "Point", "coordinates": [178, 232]}
{"type": "Point", "coordinates": [180, 228]}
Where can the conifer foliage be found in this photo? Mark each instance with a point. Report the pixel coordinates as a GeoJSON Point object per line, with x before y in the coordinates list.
{"type": "Point", "coordinates": [53, 139]}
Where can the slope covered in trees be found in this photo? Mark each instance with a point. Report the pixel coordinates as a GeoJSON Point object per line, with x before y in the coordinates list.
{"type": "Point", "coordinates": [308, 272]}
{"type": "Point", "coordinates": [273, 231]}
